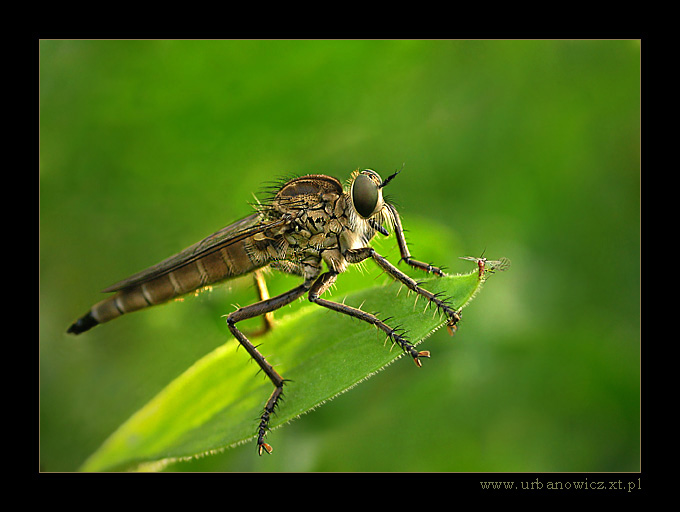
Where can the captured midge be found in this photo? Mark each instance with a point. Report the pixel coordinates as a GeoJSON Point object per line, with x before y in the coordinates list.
{"type": "Point", "coordinates": [308, 221]}
{"type": "Point", "coordinates": [488, 266]}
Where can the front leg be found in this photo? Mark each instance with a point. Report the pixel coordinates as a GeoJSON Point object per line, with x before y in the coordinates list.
{"type": "Point", "coordinates": [403, 248]}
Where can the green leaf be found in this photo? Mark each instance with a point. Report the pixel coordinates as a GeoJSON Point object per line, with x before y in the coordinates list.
{"type": "Point", "coordinates": [215, 403]}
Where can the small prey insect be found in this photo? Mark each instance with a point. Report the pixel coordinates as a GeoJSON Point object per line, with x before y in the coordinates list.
{"type": "Point", "coordinates": [308, 221]}
{"type": "Point", "coordinates": [488, 266]}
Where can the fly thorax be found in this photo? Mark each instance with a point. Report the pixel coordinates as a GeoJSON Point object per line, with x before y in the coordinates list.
{"type": "Point", "coordinates": [314, 221]}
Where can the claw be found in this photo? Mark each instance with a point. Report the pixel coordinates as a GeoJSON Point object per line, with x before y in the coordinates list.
{"type": "Point", "coordinates": [453, 320]}
{"type": "Point", "coordinates": [423, 353]}
{"type": "Point", "coordinates": [452, 328]}
{"type": "Point", "coordinates": [265, 447]}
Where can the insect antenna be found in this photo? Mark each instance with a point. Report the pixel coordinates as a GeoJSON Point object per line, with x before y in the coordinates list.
{"type": "Point", "coordinates": [390, 177]}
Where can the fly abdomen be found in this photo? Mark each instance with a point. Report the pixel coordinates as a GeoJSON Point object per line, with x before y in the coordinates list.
{"type": "Point", "coordinates": [85, 323]}
{"type": "Point", "coordinates": [127, 300]}
{"type": "Point", "coordinates": [223, 263]}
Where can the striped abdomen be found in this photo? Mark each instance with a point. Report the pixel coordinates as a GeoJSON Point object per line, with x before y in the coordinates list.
{"type": "Point", "coordinates": [220, 256]}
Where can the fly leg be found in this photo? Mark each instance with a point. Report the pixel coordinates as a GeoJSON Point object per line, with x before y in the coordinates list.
{"type": "Point", "coordinates": [355, 255]}
{"type": "Point", "coordinates": [403, 248]}
{"type": "Point", "coordinates": [257, 309]}
{"type": "Point", "coordinates": [262, 295]}
{"type": "Point", "coordinates": [324, 281]}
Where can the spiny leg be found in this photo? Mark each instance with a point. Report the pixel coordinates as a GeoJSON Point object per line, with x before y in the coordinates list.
{"type": "Point", "coordinates": [356, 255]}
{"type": "Point", "coordinates": [403, 248]}
{"type": "Point", "coordinates": [257, 309]}
{"type": "Point", "coordinates": [435, 298]}
{"type": "Point", "coordinates": [324, 281]}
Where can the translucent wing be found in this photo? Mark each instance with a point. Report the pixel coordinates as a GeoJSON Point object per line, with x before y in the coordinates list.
{"type": "Point", "coordinates": [499, 265]}
{"type": "Point", "coordinates": [236, 232]}
{"type": "Point", "coordinates": [489, 265]}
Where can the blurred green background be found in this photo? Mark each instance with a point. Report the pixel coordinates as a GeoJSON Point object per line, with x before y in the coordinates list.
{"type": "Point", "coordinates": [528, 149]}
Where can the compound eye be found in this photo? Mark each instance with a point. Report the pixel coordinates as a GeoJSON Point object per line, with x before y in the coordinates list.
{"type": "Point", "coordinates": [365, 195]}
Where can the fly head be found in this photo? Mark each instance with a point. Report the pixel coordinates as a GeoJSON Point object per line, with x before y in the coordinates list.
{"type": "Point", "coordinates": [366, 192]}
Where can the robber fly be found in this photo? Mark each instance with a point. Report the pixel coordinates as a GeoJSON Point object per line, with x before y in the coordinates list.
{"type": "Point", "coordinates": [308, 221]}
